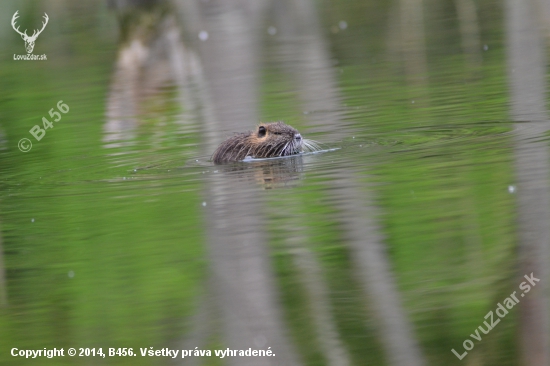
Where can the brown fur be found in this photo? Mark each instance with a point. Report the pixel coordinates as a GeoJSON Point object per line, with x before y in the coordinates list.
{"type": "Point", "coordinates": [268, 140]}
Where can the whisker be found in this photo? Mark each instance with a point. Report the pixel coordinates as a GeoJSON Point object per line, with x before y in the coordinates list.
{"type": "Point", "coordinates": [239, 152]}
{"type": "Point", "coordinates": [313, 143]}
{"type": "Point", "coordinates": [274, 149]}
{"type": "Point", "coordinates": [308, 146]}
{"type": "Point", "coordinates": [313, 146]}
{"type": "Point", "coordinates": [283, 149]}
{"type": "Point", "coordinates": [265, 151]}
{"type": "Point", "coordinates": [227, 147]}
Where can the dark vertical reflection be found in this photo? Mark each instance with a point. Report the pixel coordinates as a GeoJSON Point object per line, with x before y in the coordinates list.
{"type": "Point", "coordinates": [407, 45]}
{"type": "Point", "coordinates": [241, 267]}
{"type": "Point", "coordinates": [363, 235]}
{"type": "Point", "coordinates": [227, 38]}
{"type": "Point", "coordinates": [243, 278]}
{"type": "Point", "coordinates": [356, 210]}
{"type": "Point", "coordinates": [302, 50]}
{"type": "Point", "coordinates": [469, 32]}
{"type": "Point", "coordinates": [413, 44]}
{"type": "Point", "coordinates": [202, 325]}
{"type": "Point", "coordinates": [311, 274]}
{"type": "Point", "coordinates": [302, 53]}
{"type": "Point", "coordinates": [3, 285]}
{"type": "Point", "coordinates": [526, 70]}
{"type": "Point", "coordinates": [543, 12]}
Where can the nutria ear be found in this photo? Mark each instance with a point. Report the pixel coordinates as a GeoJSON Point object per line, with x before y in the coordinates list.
{"type": "Point", "coordinates": [261, 131]}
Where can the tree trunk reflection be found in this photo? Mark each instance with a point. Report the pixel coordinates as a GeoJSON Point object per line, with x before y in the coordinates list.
{"type": "Point", "coordinates": [526, 73]}
{"type": "Point", "coordinates": [244, 282]}
{"type": "Point", "coordinates": [308, 59]}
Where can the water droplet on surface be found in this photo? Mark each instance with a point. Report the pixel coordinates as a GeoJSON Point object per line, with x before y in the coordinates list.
{"type": "Point", "coordinates": [71, 274]}
{"type": "Point", "coordinates": [203, 35]}
{"type": "Point", "coordinates": [343, 24]}
{"type": "Point", "coordinates": [32, 220]}
{"type": "Point", "coordinates": [511, 189]}
{"type": "Point", "coordinates": [485, 48]}
{"type": "Point", "coordinates": [204, 204]}
{"type": "Point", "coordinates": [272, 31]}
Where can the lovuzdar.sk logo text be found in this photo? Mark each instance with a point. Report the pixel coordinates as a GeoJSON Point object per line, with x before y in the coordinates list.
{"type": "Point", "coordinates": [29, 40]}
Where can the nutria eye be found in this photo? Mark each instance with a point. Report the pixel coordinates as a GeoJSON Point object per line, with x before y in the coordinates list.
{"type": "Point", "coordinates": [261, 131]}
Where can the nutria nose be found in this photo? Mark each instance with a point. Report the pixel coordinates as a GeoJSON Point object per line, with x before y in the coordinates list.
{"type": "Point", "coordinates": [298, 137]}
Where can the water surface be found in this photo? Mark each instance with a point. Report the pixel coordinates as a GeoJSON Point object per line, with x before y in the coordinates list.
{"type": "Point", "coordinates": [117, 231]}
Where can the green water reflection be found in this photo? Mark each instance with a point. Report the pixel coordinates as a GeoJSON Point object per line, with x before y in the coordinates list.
{"type": "Point", "coordinates": [104, 244]}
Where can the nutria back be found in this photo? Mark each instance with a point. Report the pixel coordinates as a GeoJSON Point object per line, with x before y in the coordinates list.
{"type": "Point", "coordinates": [268, 140]}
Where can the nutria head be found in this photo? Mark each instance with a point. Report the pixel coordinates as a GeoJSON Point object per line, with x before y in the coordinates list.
{"type": "Point", "coordinates": [268, 140]}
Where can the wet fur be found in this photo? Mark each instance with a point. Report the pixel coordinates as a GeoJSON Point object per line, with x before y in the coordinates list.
{"type": "Point", "coordinates": [280, 139]}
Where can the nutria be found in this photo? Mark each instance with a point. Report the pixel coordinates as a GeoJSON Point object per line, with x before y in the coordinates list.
{"type": "Point", "coordinates": [268, 140]}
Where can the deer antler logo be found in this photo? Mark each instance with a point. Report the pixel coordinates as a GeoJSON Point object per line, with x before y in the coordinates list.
{"type": "Point", "coordinates": [29, 41]}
